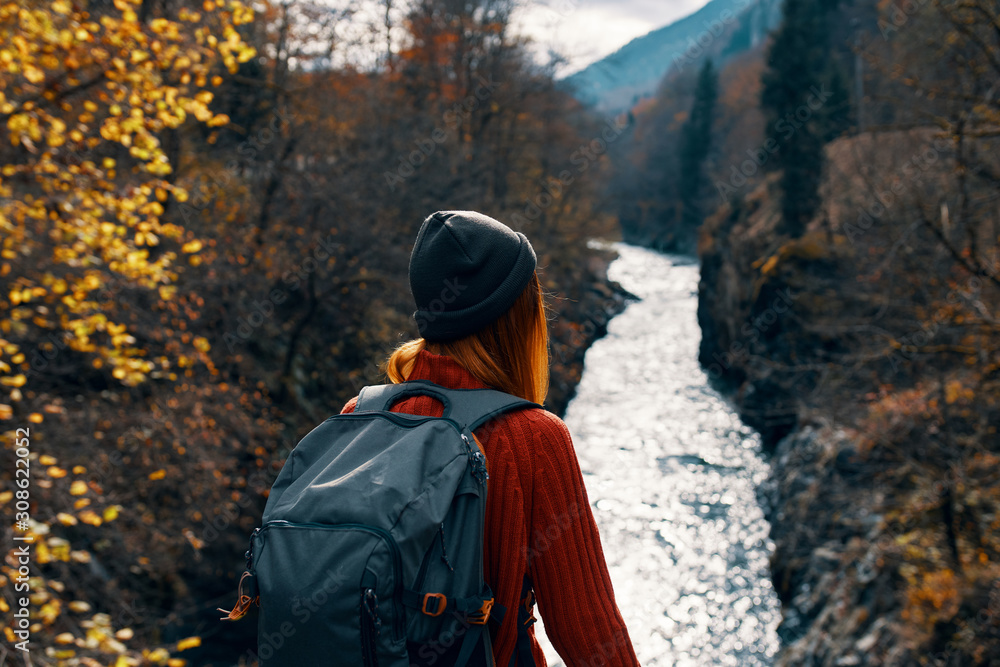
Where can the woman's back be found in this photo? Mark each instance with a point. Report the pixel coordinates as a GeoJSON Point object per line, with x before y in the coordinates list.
{"type": "Point", "coordinates": [539, 523]}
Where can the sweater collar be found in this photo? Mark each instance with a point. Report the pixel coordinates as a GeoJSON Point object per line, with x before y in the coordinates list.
{"type": "Point", "coordinates": [443, 370]}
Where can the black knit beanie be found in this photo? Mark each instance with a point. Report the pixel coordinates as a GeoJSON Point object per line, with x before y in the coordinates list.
{"type": "Point", "coordinates": [466, 270]}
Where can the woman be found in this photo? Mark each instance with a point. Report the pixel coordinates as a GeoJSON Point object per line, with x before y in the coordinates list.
{"type": "Point", "coordinates": [481, 317]}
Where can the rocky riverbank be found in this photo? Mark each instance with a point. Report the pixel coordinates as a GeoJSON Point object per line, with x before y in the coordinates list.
{"type": "Point", "coordinates": [882, 528]}
{"type": "Point", "coordinates": [578, 319]}
{"type": "Point", "coordinates": [751, 339]}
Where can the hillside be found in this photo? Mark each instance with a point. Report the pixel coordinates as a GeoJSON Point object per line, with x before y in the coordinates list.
{"type": "Point", "coordinates": [720, 29]}
{"type": "Point", "coordinates": [867, 365]}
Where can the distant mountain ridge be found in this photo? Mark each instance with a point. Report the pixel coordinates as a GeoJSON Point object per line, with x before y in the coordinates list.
{"type": "Point", "coordinates": [721, 29]}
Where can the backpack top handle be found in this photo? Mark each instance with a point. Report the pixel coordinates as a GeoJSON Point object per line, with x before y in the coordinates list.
{"type": "Point", "coordinates": [470, 408]}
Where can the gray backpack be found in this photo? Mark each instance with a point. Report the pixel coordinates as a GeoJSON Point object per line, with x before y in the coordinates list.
{"type": "Point", "coordinates": [371, 545]}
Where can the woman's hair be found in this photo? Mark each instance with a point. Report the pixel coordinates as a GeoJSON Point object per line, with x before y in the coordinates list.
{"type": "Point", "coordinates": [511, 354]}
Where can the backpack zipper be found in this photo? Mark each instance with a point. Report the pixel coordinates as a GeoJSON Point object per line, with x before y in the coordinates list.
{"type": "Point", "coordinates": [397, 559]}
{"type": "Point", "coordinates": [370, 627]}
{"type": "Point", "coordinates": [477, 460]}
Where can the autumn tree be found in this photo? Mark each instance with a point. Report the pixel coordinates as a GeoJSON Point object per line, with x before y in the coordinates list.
{"type": "Point", "coordinates": [85, 178]}
{"type": "Point", "coordinates": [91, 96]}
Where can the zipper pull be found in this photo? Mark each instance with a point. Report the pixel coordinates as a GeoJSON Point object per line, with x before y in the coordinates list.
{"type": "Point", "coordinates": [477, 462]}
{"type": "Point", "coordinates": [249, 553]}
{"type": "Point", "coordinates": [243, 599]}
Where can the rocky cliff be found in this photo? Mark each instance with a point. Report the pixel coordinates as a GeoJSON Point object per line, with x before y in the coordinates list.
{"type": "Point", "coordinates": [882, 511]}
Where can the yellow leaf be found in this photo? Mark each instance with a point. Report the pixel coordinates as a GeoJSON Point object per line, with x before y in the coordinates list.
{"type": "Point", "coordinates": [14, 380]}
{"type": "Point", "coordinates": [35, 418]}
{"type": "Point", "coordinates": [49, 611]}
{"type": "Point", "coordinates": [66, 519]}
{"type": "Point", "coordinates": [65, 637]}
{"type": "Point", "coordinates": [78, 488]}
{"type": "Point", "coordinates": [189, 642]}
{"type": "Point", "coordinates": [33, 74]}
{"type": "Point", "coordinates": [952, 391]}
{"type": "Point", "coordinates": [111, 513]}
{"type": "Point", "coordinates": [56, 472]}
{"type": "Point", "coordinates": [79, 606]}
{"type": "Point", "coordinates": [158, 655]}
{"type": "Point", "coordinates": [159, 474]}
{"type": "Point", "coordinates": [90, 518]}
{"type": "Point", "coordinates": [47, 460]}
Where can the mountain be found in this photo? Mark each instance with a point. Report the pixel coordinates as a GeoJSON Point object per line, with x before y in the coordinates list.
{"type": "Point", "coordinates": [721, 29]}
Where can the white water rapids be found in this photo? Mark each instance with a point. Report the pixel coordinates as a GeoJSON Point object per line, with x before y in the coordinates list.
{"type": "Point", "coordinates": [671, 472]}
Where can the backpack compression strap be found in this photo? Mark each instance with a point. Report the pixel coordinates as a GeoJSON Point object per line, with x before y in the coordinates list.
{"type": "Point", "coordinates": [522, 656]}
{"type": "Point", "coordinates": [470, 408]}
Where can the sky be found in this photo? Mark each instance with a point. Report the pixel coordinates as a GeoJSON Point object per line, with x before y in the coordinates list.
{"type": "Point", "coordinates": [583, 31]}
{"type": "Point", "coordinates": [587, 30]}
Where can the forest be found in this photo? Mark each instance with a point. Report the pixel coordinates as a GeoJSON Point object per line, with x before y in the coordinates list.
{"type": "Point", "coordinates": [206, 214]}
{"type": "Point", "coordinates": [194, 196]}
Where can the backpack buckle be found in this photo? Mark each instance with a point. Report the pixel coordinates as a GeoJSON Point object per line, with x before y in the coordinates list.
{"type": "Point", "coordinates": [440, 603]}
{"type": "Point", "coordinates": [482, 615]}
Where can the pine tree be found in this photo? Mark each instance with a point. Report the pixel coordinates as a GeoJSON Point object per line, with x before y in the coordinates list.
{"type": "Point", "coordinates": [797, 63]}
{"type": "Point", "coordinates": [836, 112]}
{"type": "Point", "coordinates": [696, 141]}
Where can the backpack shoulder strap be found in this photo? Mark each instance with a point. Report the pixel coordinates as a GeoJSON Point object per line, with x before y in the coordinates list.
{"type": "Point", "coordinates": [470, 408]}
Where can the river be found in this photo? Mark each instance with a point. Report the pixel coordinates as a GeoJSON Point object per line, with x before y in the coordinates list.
{"type": "Point", "coordinates": [671, 472]}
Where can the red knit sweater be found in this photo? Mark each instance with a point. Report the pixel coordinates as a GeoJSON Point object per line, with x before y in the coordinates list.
{"type": "Point", "coordinates": [537, 506]}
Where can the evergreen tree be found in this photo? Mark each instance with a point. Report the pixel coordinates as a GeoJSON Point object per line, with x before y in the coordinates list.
{"type": "Point", "coordinates": [792, 99]}
{"type": "Point", "coordinates": [836, 112]}
{"type": "Point", "coordinates": [696, 141]}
